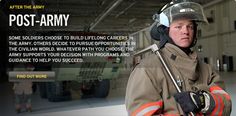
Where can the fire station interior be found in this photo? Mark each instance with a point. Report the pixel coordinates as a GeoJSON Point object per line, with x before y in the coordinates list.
{"type": "Point", "coordinates": [216, 46]}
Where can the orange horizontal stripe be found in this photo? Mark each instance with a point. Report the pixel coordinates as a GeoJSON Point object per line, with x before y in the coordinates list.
{"type": "Point", "coordinates": [151, 104]}
{"type": "Point", "coordinates": [215, 88]}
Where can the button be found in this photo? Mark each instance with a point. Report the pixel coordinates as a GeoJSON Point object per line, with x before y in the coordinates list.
{"type": "Point", "coordinates": [35, 76]}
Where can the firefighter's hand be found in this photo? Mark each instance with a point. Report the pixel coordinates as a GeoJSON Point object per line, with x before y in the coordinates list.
{"type": "Point", "coordinates": [190, 101]}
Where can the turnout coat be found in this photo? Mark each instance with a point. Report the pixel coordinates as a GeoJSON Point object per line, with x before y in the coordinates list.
{"type": "Point", "coordinates": [150, 90]}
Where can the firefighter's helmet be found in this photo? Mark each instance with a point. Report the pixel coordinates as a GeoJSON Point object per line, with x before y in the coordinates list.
{"type": "Point", "coordinates": [180, 9]}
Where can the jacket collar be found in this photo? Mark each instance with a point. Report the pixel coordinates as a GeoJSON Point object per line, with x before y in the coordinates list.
{"type": "Point", "coordinates": [185, 64]}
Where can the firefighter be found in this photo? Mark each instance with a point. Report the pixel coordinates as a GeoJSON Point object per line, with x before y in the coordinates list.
{"type": "Point", "coordinates": [150, 91]}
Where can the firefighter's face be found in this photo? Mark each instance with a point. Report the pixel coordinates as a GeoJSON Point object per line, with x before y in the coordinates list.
{"type": "Point", "coordinates": [181, 31]}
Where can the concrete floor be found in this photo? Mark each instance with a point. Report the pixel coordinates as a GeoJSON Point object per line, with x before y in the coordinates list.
{"type": "Point", "coordinates": [113, 105]}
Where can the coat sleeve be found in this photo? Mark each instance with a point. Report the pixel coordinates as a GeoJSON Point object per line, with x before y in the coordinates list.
{"type": "Point", "coordinates": [142, 97]}
{"type": "Point", "coordinates": [222, 99]}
